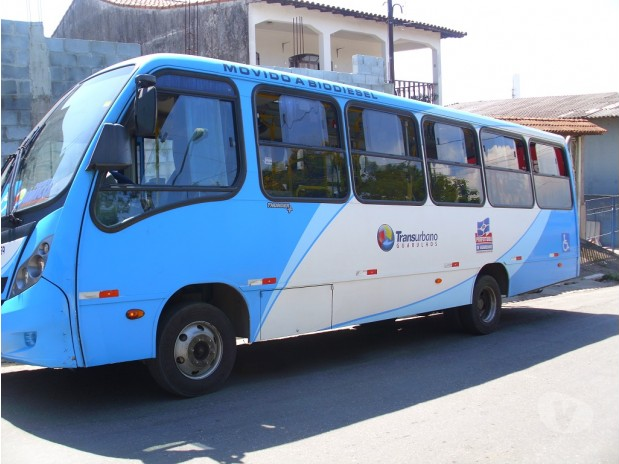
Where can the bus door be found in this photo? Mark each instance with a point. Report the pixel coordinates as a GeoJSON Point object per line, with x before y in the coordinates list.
{"type": "Point", "coordinates": [153, 225]}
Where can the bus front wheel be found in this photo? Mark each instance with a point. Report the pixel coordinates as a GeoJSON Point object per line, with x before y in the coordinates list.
{"type": "Point", "coordinates": [196, 349]}
{"type": "Point", "coordinates": [483, 315]}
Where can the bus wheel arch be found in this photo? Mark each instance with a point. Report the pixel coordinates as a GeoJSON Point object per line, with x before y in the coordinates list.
{"type": "Point", "coordinates": [195, 345]}
{"type": "Point", "coordinates": [222, 296]}
{"type": "Point", "coordinates": [498, 272]}
{"type": "Point", "coordinates": [483, 315]}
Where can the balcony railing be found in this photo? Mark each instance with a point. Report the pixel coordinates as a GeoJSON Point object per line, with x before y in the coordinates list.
{"type": "Point", "coordinates": [422, 91]}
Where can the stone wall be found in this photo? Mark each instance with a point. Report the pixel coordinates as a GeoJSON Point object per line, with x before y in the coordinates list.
{"type": "Point", "coordinates": [222, 32]}
{"type": "Point", "coordinates": [37, 71]}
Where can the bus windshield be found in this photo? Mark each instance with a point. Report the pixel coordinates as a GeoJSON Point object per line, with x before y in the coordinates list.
{"type": "Point", "coordinates": [46, 163]}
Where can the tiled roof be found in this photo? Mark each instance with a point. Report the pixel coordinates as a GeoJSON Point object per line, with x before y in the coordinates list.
{"type": "Point", "coordinates": [163, 4]}
{"type": "Point", "coordinates": [559, 126]}
{"type": "Point", "coordinates": [589, 106]}
{"type": "Point", "coordinates": [158, 4]}
{"type": "Point", "coordinates": [445, 33]}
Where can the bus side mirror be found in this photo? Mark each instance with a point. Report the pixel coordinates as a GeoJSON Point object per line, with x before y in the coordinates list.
{"type": "Point", "coordinates": [113, 149]}
{"type": "Point", "coordinates": [145, 105]}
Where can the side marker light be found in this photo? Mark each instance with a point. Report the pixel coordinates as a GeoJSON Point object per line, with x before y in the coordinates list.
{"type": "Point", "coordinates": [134, 314]}
{"type": "Point", "coordinates": [265, 281]}
{"type": "Point", "coordinates": [109, 293]}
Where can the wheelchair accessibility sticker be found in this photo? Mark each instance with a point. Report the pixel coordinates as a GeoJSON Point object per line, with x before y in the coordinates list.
{"type": "Point", "coordinates": [565, 241]}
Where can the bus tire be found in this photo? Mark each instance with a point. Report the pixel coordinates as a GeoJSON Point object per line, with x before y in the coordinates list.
{"type": "Point", "coordinates": [196, 350]}
{"type": "Point", "coordinates": [482, 316]}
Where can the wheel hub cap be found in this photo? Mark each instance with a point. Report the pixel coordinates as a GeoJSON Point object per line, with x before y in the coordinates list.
{"type": "Point", "coordinates": [198, 350]}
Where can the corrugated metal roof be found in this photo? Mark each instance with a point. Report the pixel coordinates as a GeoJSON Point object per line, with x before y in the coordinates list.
{"type": "Point", "coordinates": [559, 126]}
{"type": "Point", "coordinates": [588, 106]}
{"type": "Point", "coordinates": [163, 4]}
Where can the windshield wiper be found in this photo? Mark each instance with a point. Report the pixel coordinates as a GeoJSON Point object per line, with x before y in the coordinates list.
{"type": "Point", "coordinates": [7, 167]}
{"type": "Point", "coordinates": [13, 167]}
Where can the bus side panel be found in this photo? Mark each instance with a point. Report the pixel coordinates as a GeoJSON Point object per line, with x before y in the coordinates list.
{"type": "Point", "coordinates": [554, 254]}
{"type": "Point", "coordinates": [359, 304]}
{"type": "Point", "coordinates": [279, 310]}
{"type": "Point", "coordinates": [431, 264]}
{"type": "Point", "coordinates": [236, 242]}
{"type": "Point", "coordinates": [303, 310]}
{"type": "Point", "coordinates": [109, 336]}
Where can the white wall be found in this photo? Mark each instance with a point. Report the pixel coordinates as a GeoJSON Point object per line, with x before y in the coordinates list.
{"type": "Point", "coordinates": [325, 33]}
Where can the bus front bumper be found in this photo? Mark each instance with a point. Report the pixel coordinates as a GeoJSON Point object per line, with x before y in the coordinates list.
{"type": "Point", "coordinates": [36, 328]}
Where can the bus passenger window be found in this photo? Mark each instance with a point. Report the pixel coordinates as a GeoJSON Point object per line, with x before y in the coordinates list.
{"type": "Point", "coordinates": [551, 176]}
{"type": "Point", "coordinates": [450, 145]}
{"type": "Point", "coordinates": [386, 163]}
{"type": "Point", "coordinates": [453, 163]}
{"type": "Point", "coordinates": [507, 175]}
{"type": "Point", "coordinates": [550, 160]}
{"type": "Point", "coordinates": [299, 148]}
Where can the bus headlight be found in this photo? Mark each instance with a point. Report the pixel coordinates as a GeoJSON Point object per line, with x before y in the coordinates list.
{"type": "Point", "coordinates": [35, 266]}
{"type": "Point", "coordinates": [31, 271]}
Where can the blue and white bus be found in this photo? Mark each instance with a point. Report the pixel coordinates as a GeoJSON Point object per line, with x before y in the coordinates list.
{"type": "Point", "coordinates": [170, 206]}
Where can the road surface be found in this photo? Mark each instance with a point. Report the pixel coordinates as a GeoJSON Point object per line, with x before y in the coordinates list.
{"type": "Point", "coordinates": [543, 389]}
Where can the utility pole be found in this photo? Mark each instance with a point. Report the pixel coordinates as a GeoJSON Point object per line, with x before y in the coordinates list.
{"type": "Point", "coordinates": [391, 53]}
{"type": "Point", "coordinates": [390, 22]}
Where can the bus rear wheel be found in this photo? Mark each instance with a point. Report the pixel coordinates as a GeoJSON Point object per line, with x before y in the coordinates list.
{"type": "Point", "coordinates": [482, 316]}
{"type": "Point", "coordinates": [196, 349]}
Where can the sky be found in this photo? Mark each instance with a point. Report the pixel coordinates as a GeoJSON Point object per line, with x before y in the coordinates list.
{"type": "Point", "coordinates": [556, 47]}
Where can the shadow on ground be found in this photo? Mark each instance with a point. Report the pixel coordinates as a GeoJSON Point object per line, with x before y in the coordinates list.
{"type": "Point", "coordinates": [286, 390]}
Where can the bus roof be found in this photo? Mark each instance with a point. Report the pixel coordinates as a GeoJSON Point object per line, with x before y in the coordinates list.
{"type": "Point", "coordinates": [263, 75]}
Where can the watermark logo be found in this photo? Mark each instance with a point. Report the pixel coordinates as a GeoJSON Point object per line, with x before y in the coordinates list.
{"type": "Point", "coordinates": [385, 237]}
{"type": "Point", "coordinates": [564, 414]}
